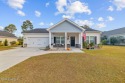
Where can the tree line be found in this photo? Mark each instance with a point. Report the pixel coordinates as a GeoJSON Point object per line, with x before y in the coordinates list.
{"type": "Point", "coordinates": [27, 25]}
{"type": "Point", "coordinates": [11, 28]}
{"type": "Point", "coordinates": [118, 40]}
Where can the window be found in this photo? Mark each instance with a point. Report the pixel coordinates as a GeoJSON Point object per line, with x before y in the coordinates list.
{"type": "Point", "coordinates": [92, 39]}
{"type": "Point", "coordinates": [62, 40]}
{"type": "Point", "coordinates": [59, 40]}
{"type": "Point", "coordinates": [87, 39]}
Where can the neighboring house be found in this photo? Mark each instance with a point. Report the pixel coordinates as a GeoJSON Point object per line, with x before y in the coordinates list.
{"type": "Point", "coordinates": [115, 33]}
{"type": "Point", "coordinates": [65, 34]}
{"type": "Point", "coordinates": [6, 35]}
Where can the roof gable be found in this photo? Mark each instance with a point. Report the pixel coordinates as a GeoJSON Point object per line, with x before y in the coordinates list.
{"type": "Point", "coordinates": [68, 21]}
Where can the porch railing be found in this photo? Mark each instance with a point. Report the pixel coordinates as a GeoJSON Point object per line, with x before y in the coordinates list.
{"type": "Point", "coordinates": [63, 45]}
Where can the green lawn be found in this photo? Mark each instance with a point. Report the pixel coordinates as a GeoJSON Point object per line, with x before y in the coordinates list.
{"type": "Point", "coordinates": [6, 48]}
{"type": "Point", "coordinates": [106, 65]}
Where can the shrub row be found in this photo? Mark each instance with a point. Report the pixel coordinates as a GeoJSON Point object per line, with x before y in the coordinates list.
{"type": "Point", "coordinates": [91, 45]}
{"type": "Point", "coordinates": [6, 43]}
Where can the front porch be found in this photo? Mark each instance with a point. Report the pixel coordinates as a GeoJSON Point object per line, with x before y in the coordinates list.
{"type": "Point", "coordinates": [62, 50]}
{"type": "Point", "coordinates": [64, 40]}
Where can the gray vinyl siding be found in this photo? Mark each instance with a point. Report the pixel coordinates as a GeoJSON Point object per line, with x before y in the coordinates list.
{"type": "Point", "coordinates": [65, 27]}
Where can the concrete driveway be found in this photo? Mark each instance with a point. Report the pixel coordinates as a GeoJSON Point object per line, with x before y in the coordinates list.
{"type": "Point", "coordinates": [12, 57]}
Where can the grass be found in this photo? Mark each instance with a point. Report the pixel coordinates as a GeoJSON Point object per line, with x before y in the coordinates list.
{"type": "Point", "coordinates": [106, 65]}
{"type": "Point", "coordinates": [6, 48]}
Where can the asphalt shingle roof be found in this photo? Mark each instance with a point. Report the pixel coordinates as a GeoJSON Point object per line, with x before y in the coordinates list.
{"type": "Point", "coordinates": [113, 32]}
{"type": "Point", "coordinates": [38, 30]}
{"type": "Point", "coordinates": [89, 29]}
{"type": "Point", "coordinates": [6, 34]}
{"type": "Point", "coordinates": [44, 30]}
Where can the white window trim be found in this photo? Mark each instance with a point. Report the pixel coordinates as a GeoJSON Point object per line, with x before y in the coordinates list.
{"type": "Point", "coordinates": [60, 39]}
{"type": "Point", "coordinates": [90, 38]}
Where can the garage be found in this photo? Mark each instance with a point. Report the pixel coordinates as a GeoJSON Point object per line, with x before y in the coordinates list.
{"type": "Point", "coordinates": [37, 42]}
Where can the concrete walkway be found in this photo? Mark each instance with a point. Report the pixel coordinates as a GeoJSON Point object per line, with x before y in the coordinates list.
{"type": "Point", "coordinates": [12, 57]}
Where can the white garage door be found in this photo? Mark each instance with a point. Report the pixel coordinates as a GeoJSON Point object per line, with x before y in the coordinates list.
{"type": "Point", "coordinates": [38, 42]}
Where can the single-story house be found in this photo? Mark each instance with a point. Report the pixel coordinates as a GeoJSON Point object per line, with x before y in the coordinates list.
{"type": "Point", "coordinates": [65, 33]}
{"type": "Point", "coordinates": [115, 33]}
{"type": "Point", "coordinates": [6, 35]}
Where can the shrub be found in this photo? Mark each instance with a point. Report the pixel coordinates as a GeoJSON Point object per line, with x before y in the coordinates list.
{"type": "Point", "coordinates": [17, 43]}
{"type": "Point", "coordinates": [21, 43]}
{"type": "Point", "coordinates": [5, 43]}
{"type": "Point", "coordinates": [13, 43]}
{"type": "Point", "coordinates": [85, 44]}
{"type": "Point", "coordinates": [120, 39]}
{"type": "Point", "coordinates": [0, 43]}
{"type": "Point", "coordinates": [100, 45]}
{"type": "Point", "coordinates": [105, 42]}
{"type": "Point", "coordinates": [113, 40]}
{"type": "Point", "coordinates": [20, 40]}
{"type": "Point", "coordinates": [91, 44]}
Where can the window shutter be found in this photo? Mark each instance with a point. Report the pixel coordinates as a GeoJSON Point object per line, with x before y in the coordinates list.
{"type": "Point", "coordinates": [95, 40]}
{"type": "Point", "coordinates": [55, 40]}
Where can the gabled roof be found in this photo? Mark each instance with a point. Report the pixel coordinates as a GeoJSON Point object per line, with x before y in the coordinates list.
{"type": "Point", "coordinates": [65, 19]}
{"type": "Point", "coordinates": [114, 32]}
{"type": "Point", "coordinates": [7, 34]}
{"type": "Point", "coordinates": [38, 30]}
{"type": "Point", "coordinates": [90, 29]}
{"type": "Point", "coordinates": [44, 30]}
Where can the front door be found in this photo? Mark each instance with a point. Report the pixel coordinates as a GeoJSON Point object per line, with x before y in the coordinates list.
{"type": "Point", "coordinates": [72, 41]}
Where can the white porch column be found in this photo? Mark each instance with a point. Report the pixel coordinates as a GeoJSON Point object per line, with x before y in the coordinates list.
{"type": "Point", "coordinates": [81, 40]}
{"type": "Point", "coordinates": [65, 40]}
{"type": "Point", "coordinates": [89, 39]}
{"type": "Point", "coordinates": [50, 40]}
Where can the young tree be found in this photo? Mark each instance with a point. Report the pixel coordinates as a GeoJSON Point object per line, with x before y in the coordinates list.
{"type": "Point", "coordinates": [10, 28]}
{"type": "Point", "coordinates": [104, 40]}
{"type": "Point", "coordinates": [113, 40]}
{"type": "Point", "coordinates": [6, 42]}
{"type": "Point", "coordinates": [104, 37]}
{"type": "Point", "coordinates": [20, 40]}
{"type": "Point", "coordinates": [85, 26]}
{"type": "Point", "coordinates": [27, 25]}
{"type": "Point", "coordinates": [120, 39]}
